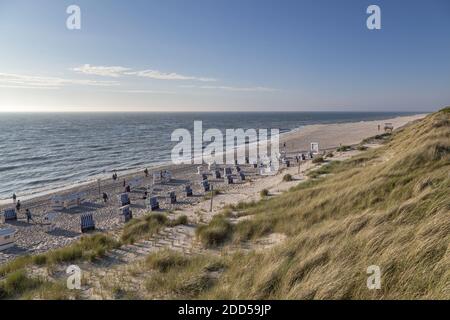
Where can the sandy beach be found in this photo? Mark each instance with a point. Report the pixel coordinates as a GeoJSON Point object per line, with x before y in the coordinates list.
{"type": "Point", "coordinates": [38, 237]}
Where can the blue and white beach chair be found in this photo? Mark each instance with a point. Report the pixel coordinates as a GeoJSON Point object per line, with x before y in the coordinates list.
{"type": "Point", "coordinates": [227, 172]}
{"type": "Point", "coordinates": [124, 199]}
{"type": "Point", "coordinates": [87, 222]}
{"type": "Point", "coordinates": [228, 179]}
{"type": "Point", "coordinates": [173, 197]}
{"type": "Point", "coordinates": [188, 190]}
{"type": "Point", "coordinates": [205, 185]}
{"type": "Point", "coordinates": [7, 238]}
{"type": "Point", "coordinates": [126, 213]}
{"type": "Point", "coordinates": [153, 203]}
{"type": "Point", "coordinates": [10, 214]}
{"type": "Point", "coordinates": [242, 176]}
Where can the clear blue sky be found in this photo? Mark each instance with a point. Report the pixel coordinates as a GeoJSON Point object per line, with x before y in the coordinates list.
{"type": "Point", "coordinates": [224, 55]}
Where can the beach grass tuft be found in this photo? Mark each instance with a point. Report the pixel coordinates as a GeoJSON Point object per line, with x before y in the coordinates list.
{"type": "Point", "coordinates": [215, 233]}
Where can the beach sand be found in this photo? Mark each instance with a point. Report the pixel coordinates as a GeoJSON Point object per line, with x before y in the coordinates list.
{"type": "Point", "coordinates": [37, 238]}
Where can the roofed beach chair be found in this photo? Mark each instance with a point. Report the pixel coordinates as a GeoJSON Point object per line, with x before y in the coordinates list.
{"type": "Point", "coordinates": [217, 174]}
{"type": "Point", "coordinates": [188, 190]}
{"type": "Point", "coordinates": [173, 197]}
{"type": "Point", "coordinates": [166, 176]}
{"type": "Point", "coordinates": [124, 199]}
{"type": "Point", "coordinates": [153, 203]}
{"type": "Point", "coordinates": [205, 185]}
{"type": "Point", "coordinates": [314, 148]}
{"type": "Point", "coordinates": [48, 221]}
{"type": "Point", "coordinates": [74, 200]}
{"type": "Point", "coordinates": [10, 214]}
{"type": "Point", "coordinates": [7, 238]}
{"type": "Point", "coordinates": [87, 222]}
{"type": "Point", "coordinates": [238, 169]}
{"type": "Point", "coordinates": [57, 203]}
{"type": "Point", "coordinates": [126, 213]}
{"type": "Point", "coordinates": [157, 177]}
{"type": "Point", "coordinates": [242, 176]}
{"type": "Point", "coordinates": [227, 172]}
{"type": "Point", "coordinates": [228, 179]}
{"type": "Point", "coordinates": [204, 176]}
{"type": "Point", "coordinates": [135, 183]}
{"type": "Point", "coordinates": [247, 160]}
{"type": "Point", "coordinates": [71, 201]}
{"type": "Point", "coordinates": [388, 127]}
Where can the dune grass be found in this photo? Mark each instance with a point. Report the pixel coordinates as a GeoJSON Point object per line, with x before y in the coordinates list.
{"type": "Point", "coordinates": [177, 276]}
{"type": "Point", "coordinates": [387, 207]}
{"type": "Point", "coordinates": [319, 159]}
{"type": "Point", "coordinates": [216, 232]}
{"type": "Point", "coordinates": [88, 248]}
{"type": "Point", "coordinates": [149, 225]}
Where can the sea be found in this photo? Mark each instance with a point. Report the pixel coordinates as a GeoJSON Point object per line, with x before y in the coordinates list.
{"type": "Point", "coordinates": [42, 152]}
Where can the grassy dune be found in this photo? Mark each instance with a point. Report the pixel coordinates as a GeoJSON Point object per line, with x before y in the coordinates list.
{"type": "Point", "coordinates": [388, 207]}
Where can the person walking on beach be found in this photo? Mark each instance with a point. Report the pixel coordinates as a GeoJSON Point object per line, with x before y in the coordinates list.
{"type": "Point", "coordinates": [18, 205]}
{"type": "Point", "coordinates": [146, 172]}
{"type": "Point", "coordinates": [14, 197]}
{"type": "Point", "coordinates": [379, 128]}
{"type": "Point", "coordinates": [105, 197]}
{"type": "Point", "coordinates": [124, 183]}
{"type": "Point", "coordinates": [29, 217]}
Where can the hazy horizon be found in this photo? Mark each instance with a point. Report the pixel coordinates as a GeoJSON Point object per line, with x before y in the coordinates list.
{"type": "Point", "coordinates": [222, 111]}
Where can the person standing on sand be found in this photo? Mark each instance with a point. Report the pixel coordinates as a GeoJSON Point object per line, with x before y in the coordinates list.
{"type": "Point", "coordinates": [29, 217]}
{"type": "Point", "coordinates": [105, 197]}
{"type": "Point", "coordinates": [18, 205]}
{"type": "Point", "coordinates": [379, 128]}
{"type": "Point", "coordinates": [146, 172]}
{"type": "Point", "coordinates": [14, 197]}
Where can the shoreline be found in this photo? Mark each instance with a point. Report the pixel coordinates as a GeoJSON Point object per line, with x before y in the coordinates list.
{"type": "Point", "coordinates": [37, 237]}
{"type": "Point", "coordinates": [128, 174]}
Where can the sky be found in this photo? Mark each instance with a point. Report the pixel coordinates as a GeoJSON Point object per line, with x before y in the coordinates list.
{"type": "Point", "coordinates": [224, 55]}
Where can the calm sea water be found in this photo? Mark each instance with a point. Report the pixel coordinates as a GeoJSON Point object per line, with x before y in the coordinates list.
{"type": "Point", "coordinates": [47, 151]}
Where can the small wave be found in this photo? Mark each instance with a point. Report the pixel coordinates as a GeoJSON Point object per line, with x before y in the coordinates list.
{"type": "Point", "coordinates": [8, 168]}
{"type": "Point", "coordinates": [43, 181]}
